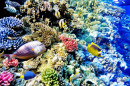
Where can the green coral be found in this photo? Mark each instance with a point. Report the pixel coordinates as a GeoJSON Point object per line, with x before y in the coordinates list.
{"type": "Point", "coordinates": [49, 77]}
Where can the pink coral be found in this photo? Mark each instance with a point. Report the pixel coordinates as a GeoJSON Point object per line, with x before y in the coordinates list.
{"type": "Point", "coordinates": [13, 62]}
{"type": "Point", "coordinates": [5, 78]}
{"type": "Point", "coordinates": [70, 44]}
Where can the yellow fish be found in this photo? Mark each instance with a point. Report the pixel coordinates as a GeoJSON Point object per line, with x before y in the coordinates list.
{"type": "Point", "coordinates": [75, 76]}
{"type": "Point", "coordinates": [94, 49]}
{"type": "Point", "coordinates": [62, 23]}
{"type": "Point", "coordinates": [57, 14]}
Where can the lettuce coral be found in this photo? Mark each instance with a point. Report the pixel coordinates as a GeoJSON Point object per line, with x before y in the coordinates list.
{"type": "Point", "coordinates": [49, 77]}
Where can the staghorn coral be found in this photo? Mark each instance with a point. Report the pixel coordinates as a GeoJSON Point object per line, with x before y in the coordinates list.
{"type": "Point", "coordinates": [42, 33]}
{"type": "Point", "coordinates": [49, 77]}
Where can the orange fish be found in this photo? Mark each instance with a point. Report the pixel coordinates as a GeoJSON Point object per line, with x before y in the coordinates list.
{"type": "Point", "coordinates": [29, 50]}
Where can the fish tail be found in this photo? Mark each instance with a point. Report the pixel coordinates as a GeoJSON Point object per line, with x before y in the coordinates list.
{"type": "Point", "coordinates": [22, 76]}
{"type": "Point", "coordinates": [9, 56]}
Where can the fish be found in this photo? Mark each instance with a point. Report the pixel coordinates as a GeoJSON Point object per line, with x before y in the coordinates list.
{"type": "Point", "coordinates": [12, 38]}
{"type": "Point", "coordinates": [29, 50]}
{"type": "Point", "coordinates": [75, 76]}
{"type": "Point", "coordinates": [57, 14]}
{"type": "Point", "coordinates": [10, 8]}
{"type": "Point", "coordinates": [122, 2]}
{"type": "Point", "coordinates": [28, 75]}
{"type": "Point", "coordinates": [13, 3]}
{"type": "Point", "coordinates": [62, 23]}
{"type": "Point", "coordinates": [94, 49]}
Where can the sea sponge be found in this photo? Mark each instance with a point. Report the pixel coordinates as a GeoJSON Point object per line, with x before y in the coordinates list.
{"type": "Point", "coordinates": [49, 77]}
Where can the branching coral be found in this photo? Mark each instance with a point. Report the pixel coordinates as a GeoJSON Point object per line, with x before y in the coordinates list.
{"type": "Point", "coordinates": [49, 77]}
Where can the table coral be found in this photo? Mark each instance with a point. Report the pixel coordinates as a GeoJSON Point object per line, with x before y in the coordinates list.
{"type": "Point", "coordinates": [6, 78]}
{"type": "Point", "coordinates": [13, 62]}
{"type": "Point", "coordinates": [71, 44]}
{"type": "Point", "coordinates": [49, 77]}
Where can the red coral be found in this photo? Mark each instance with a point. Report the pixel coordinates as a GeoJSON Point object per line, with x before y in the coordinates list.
{"type": "Point", "coordinates": [13, 62]}
{"type": "Point", "coordinates": [70, 44]}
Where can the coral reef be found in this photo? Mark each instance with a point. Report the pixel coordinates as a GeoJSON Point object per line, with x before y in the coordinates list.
{"type": "Point", "coordinates": [6, 78]}
{"type": "Point", "coordinates": [42, 33]}
{"type": "Point", "coordinates": [32, 63]}
{"type": "Point", "coordinates": [54, 57]}
{"type": "Point", "coordinates": [11, 22]}
{"type": "Point", "coordinates": [9, 39]}
{"type": "Point", "coordinates": [70, 44]}
{"type": "Point", "coordinates": [49, 77]}
{"type": "Point", "coordinates": [13, 62]}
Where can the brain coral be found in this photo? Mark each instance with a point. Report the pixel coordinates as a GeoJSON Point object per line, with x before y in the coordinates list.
{"type": "Point", "coordinates": [11, 22]}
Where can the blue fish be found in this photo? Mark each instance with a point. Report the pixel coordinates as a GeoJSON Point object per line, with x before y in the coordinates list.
{"type": "Point", "coordinates": [28, 75]}
{"type": "Point", "coordinates": [122, 2]}
{"type": "Point", "coordinates": [13, 3]}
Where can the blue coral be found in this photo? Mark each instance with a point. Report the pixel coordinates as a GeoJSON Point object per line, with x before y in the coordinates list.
{"type": "Point", "coordinates": [5, 42]}
{"type": "Point", "coordinates": [6, 33]}
{"type": "Point", "coordinates": [11, 22]}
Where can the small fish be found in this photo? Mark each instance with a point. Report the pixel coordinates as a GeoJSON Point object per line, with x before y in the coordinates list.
{"type": "Point", "coordinates": [57, 14]}
{"type": "Point", "coordinates": [12, 38]}
{"type": "Point", "coordinates": [94, 49]}
{"type": "Point", "coordinates": [11, 9]}
{"type": "Point", "coordinates": [75, 76]}
{"type": "Point", "coordinates": [28, 75]}
{"type": "Point", "coordinates": [29, 50]}
{"type": "Point", "coordinates": [122, 2]}
{"type": "Point", "coordinates": [62, 23]}
{"type": "Point", "coordinates": [12, 3]}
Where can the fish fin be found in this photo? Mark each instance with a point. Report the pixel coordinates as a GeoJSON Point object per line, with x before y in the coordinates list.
{"type": "Point", "coordinates": [22, 76]}
{"type": "Point", "coordinates": [95, 45]}
{"type": "Point", "coordinates": [9, 56]}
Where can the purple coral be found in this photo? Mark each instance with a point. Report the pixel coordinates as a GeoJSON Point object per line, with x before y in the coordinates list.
{"type": "Point", "coordinates": [5, 78]}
